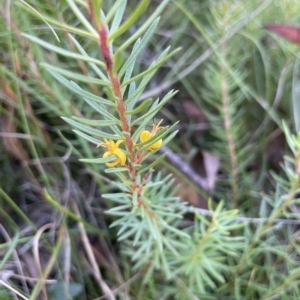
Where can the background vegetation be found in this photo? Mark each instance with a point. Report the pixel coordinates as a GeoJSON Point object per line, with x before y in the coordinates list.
{"type": "Point", "coordinates": [236, 83]}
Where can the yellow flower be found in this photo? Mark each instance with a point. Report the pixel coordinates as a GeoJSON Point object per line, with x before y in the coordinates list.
{"type": "Point", "coordinates": [113, 149]}
{"type": "Point", "coordinates": [146, 135]}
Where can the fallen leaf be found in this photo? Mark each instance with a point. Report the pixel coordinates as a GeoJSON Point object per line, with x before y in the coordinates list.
{"type": "Point", "coordinates": [291, 33]}
{"type": "Point", "coordinates": [207, 166]}
{"type": "Point", "coordinates": [193, 111]}
{"type": "Point", "coordinates": [276, 149]}
{"type": "Point", "coordinates": [188, 194]}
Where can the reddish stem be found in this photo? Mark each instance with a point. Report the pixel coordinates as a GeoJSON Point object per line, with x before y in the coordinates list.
{"type": "Point", "coordinates": [133, 157]}
{"type": "Point", "coordinates": [117, 91]}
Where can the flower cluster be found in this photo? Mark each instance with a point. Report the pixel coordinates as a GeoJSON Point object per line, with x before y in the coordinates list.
{"type": "Point", "coordinates": [146, 135]}
{"type": "Point", "coordinates": [113, 147]}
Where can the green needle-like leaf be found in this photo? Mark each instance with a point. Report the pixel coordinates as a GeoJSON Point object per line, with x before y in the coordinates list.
{"type": "Point", "coordinates": [97, 123]}
{"type": "Point", "coordinates": [75, 76]}
{"type": "Point", "coordinates": [145, 104]}
{"type": "Point", "coordinates": [131, 19]}
{"type": "Point", "coordinates": [152, 112]}
{"type": "Point", "coordinates": [93, 65]}
{"type": "Point", "coordinates": [130, 102]}
{"type": "Point", "coordinates": [158, 160]}
{"type": "Point", "coordinates": [161, 60]}
{"type": "Point", "coordinates": [99, 160]}
{"type": "Point", "coordinates": [131, 66]}
{"type": "Point", "coordinates": [62, 51]}
{"type": "Point", "coordinates": [81, 17]}
{"type": "Point", "coordinates": [115, 170]}
{"type": "Point", "coordinates": [91, 130]}
{"type": "Point", "coordinates": [144, 27]}
{"type": "Point", "coordinates": [138, 49]}
{"type": "Point", "coordinates": [117, 11]}
{"type": "Point", "coordinates": [87, 137]}
{"type": "Point", "coordinates": [72, 86]}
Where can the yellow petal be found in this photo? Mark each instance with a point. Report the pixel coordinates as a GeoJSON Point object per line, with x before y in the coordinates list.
{"type": "Point", "coordinates": [110, 164]}
{"type": "Point", "coordinates": [145, 135]}
{"type": "Point", "coordinates": [107, 153]}
{"type": "Point", "coordinates": [118, 143]}
{"type": "Point", "coordinates": [156, 145]}
{"type": "Point", "coordinates": [121, 156]}
{"type": "Point", "coordinates": [114, 163]}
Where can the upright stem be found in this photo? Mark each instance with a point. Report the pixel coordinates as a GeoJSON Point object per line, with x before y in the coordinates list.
{"type": "Point", "coordinates": [117, 92]}
{"type": "Point", "coordinates": [227, 124]}
{"type": "Point", "coordinates": [133, 157]}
